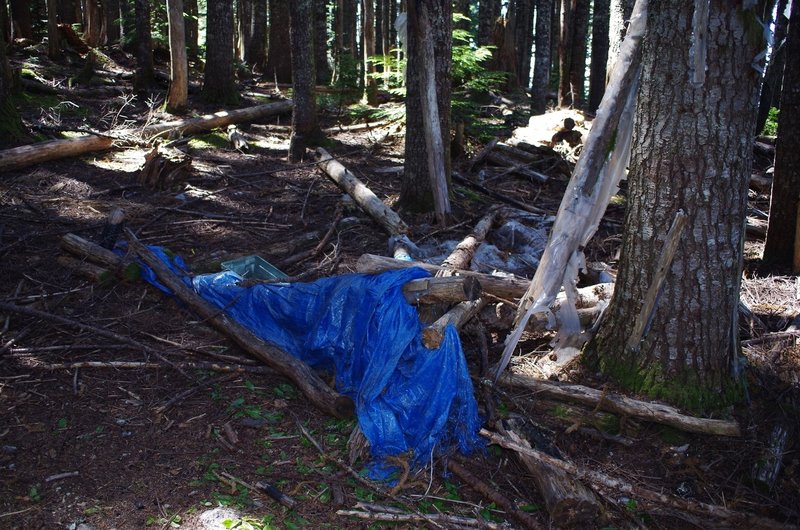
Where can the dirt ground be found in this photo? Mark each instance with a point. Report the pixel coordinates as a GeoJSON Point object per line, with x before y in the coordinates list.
{"type": "Point", "coordinates": [152, 447]}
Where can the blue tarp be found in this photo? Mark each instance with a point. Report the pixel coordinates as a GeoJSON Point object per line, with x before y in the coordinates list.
{"type": "Point", "coordinates": [409, 400]}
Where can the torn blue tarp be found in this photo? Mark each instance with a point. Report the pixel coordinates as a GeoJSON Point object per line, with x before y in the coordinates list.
{"type": "Point", "coordinates": [409, 400]}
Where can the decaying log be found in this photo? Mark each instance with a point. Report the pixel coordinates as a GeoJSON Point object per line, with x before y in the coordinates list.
{"type": "Point", "coordinates": [768, 467]}
{"type": "Point", "coordinates": [516, 166]}
{"type": "Point", "coordinates": [28, 155]}
{"type": "Point", "coordinates": [163, 168]}
{"type": "Point", "coordinates": [218, 119]}
{"type": "Point", "coordinates": [619, 404]}
{"type": "Point", "coordinates": [87, 250]}
{"type": "Point", "coordinates": [644, 497]}
{"type": "Point", "coordinates": [320, 394]}
{"type": "Point", "coordinates": [502, 287]}
{"type": "Point", "coordinates": [461, 257]}
{"type": "Point", "coordinates": [569, 503]}
{"type": "Point", "coordinates": [481, 155]}
{"type": "Point", "coordinates": [756, 228]}
{"type": "Point", "coordinates": [387, 217]}
{"type": "Point", "coordinates": [527, 520]}
{"type": "Point", "coordinates": [442, 290]}
{"type": "Point", "coordinates": [90, 271]}
{"type": "Point", "coordinates": [459, 315]}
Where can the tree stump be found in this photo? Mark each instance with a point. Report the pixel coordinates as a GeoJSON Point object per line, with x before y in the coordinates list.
{"type": "Point", "coordinates": [163, 168]}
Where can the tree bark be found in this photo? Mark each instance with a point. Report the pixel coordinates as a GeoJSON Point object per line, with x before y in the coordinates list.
{"type": "Point", "coordinates": [488, 12]}
{"type": "Point", "coordinates": [144, 75]}
{"type": "Point", "coordinates": [178, 78]}
{"type": "Point", "coordinates": [600, 44]}
{"type": "Point", "coordinates": [305, 128]}
{"type": "Point", "coordinates": [781, 246]}
{"type": "Point", "coordinates": [68, 11]}
{"type": "Point", "coordinates": [21, 19]}
{"type": "Point", "coordinates": [368, 34]}
{"type": "Point", "coordinates": [10, 124]}
{"type": "Point", "coordinates": [416, 193]}
{"type": "Point", "coordinates": [462, 7]}
{"type": "Point", "coordinates": [688, 354]}
{"type": "Point", "coordinates": [53, 37]}
{"type": "Point", "coordinates": [191, 29]}
{"type": "Point", "coordinates": [564, 51]}
{"type": "Point", "coordinates": [219, 84]}
{"type": "Point", "coordinates": [524, 39]}
{"type": "Point", "coordinates": [94, 32]}
{"type": "Point", "coordinates": [113, 15]}
{"type": "Point", "coordinates": [619, 17]}
{"type": "Point", "coordinates": [279, 60]}
{"type": "Point", "coordinates": [541, 64]}
{"type": "Point", "coordinates": [38, 152]}
{"type": "Point", "coordinates": [577, 55]}
{"type": "Point", "coordinates": [255, 51]}
{"type": "Point", "coordinates": [321, 64]}
{"type": "Point", "coordinates": [771, 87]}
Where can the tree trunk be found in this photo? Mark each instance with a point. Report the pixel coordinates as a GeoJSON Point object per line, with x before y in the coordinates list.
{"type": "Point", "coordinates": [619, 17]}
{"type": "Point", "coordinates": [125, 26]}
{"type": "Point", "coordinates": [95, 21]}
{"type": "Point", "coordinates": [305, 129]}
{"type": "Point", "coordinates": [219, 85]}
{"type": "Point", "coordinates": [488, 13]}
{"type": "Point", "coordinates": [781, 247]}
{"type": "Point", "coordinates": [178, 78]}
{"type": "Point", "coordinates": [113, 15]}
{"type": "Point", "coordinates": [577, 55]}
{"type": "Point", "coordinates": [597, 74]}
{"type": "Point", "coordinates": [462, 7]}
{"type": "Point", "coordinates": [279, 60]}
{"type": "Point", "coordinates": [21, 19]}
{"type": "Point", "coordinates": [255, 52]}
{"type": "Point", "coordinates": [10, 125]}
{"type": "Point", "coordinates": [541, 64]}
{"type": "Point", "coordinates": [143, 78]}
{"type": "Point", "coordinates": [190, 25]}
{"type": "Point", "coordinates": [67, 12]}
{"type": "Point", "coordinates": [524, 39]}
{"type": "Point", "coordinates": [564, 51]}
{"type": "Point", "coordinates": [368, 33]}
{"type": "Point", "coordinates": [771, 87]}
{"type": "Point", "coordinates": [416, 193]}
{"type": "Point", "coordinates": [53, 38]}
{"type": "Point", "coordinates": [321, 64]}
{"type": "Point", "coordinates": [687, 354]}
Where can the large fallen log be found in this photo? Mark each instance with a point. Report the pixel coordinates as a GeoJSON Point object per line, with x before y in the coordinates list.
{"type": "Point", "coordinates": [218, 119]}
{"type": "Point", "coordinates": [569, 503]}
{"type": "Point", "coordinates": [442, 290]}
{"type": "Point", "coordinates": [315, 389]}
{"type": "Point", "coordinates": [461, 256]}
{"type": "Point", "coordinates": [619, 404]}
{"type": "Point", "coordinates": [500, 286]}
{"type": "Point", "coordinates": [89, 251]}
{"type": "Point", "coordinates": [28, 155]}
{"type": "Point", "coordinates": [387, 217]}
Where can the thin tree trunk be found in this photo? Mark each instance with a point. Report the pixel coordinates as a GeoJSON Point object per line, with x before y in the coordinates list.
{"type": "Point", "coordinates": [112, 14]}
{"type": "Point", "coordinates": [178, 79]}
{"type": "Point", "coordinates": [368, 33]}
{"type": "Point", "coordinates": [219, 85]}
{"type": "Point", "coordinates": [66, 12]}
{"type": "Point", "coordinates": [597, 74]}
{"type": "Point", "coordinates": [541, 65]}
{"type": "Point", "coordinates": [53, 38]}
{"type": "Point", "coordinates": [524, 40]}
{"type": "Point", "coordinates": [10, 124]}
{"type": "Point", "coordinates": [191, 27]}
{"type": "Point", "coordinates": [618, 22]}
{"type": "Point", "coordinates": [279, 60]}
{"type": "Point", "coordinates": [782, 245]}
{"type": "Point", "coordinates": [771, 87]}
{"type": "Point", "coordinates": [21, 19]}
{"type": "Point", "coordinates": [687, 353]}
{"type": "Point", "coordinates": [5, 27]}
{"type": "Point", "coordinates": [95, 21]}
{"type": "Point", "coordinates": [321, 64]}
{"type": "Point", "coordinates": [488, 13]}
{"type": "Point", "coordinates": [564, 54]}
{"type": "Point", "coordinates": [305, 129]}
{"type": "Point", "coordinates": [577, 67]}
{"type": "Point", "coordinates": [255, 53]}
{"type": "Point", "coordinates": [143, 79]}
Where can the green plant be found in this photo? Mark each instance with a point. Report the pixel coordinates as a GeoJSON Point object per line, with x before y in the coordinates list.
{"type": "Point", "coordinates": [771, 125]}
{"type": "Point", "coordinates": [34, 495]}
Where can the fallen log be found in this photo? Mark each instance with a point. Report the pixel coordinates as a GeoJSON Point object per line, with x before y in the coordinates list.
{"type": "Point", "coordinates": [500, 286]}
{"type": "Point", "coordinates": [441, 290]}
{"type": "Point", "coordinates": [433, 335]}
{"type": "Point", "coordinates": [387, 217]}
{"type": "Point", "coordinates": [601, 482]}
{"type": "Point", "coordinates": [315, 389]}
{"type": "Point", "coordinates": [88, 270]}
{"type": "Point", "coordinates": [28, 155]}
{"type": "Point", "coordinates": [767, 469]}
{"type": "Point", "coordinates": [218, 119]}
{"type": "Point", "coordinates": [619, 404]}
{"type": "Point", "coordinates": [516, 166]}
{"type": "Point", "coordinates": [461, 256]}
{"type": "Point", "coordinates": [481, 155]}
{"type": "Point", "coordinates": [89, 251]}
{"type": "Point", "coordinates": [569, 503]}
{"type": "Point", "coordinates": [498, 196]}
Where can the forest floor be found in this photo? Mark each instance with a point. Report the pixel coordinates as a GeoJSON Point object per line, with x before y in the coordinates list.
{"type": "Point", "coordinates": [132, 448]}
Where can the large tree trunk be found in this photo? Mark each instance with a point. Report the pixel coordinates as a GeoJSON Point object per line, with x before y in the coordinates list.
{"type": "Point", "coordinates": [564, 51]}
{"type": "Point", "coordinates": [577, 55]}
{"type": "Point", "coordinates": [143, 78]}
{"type": "Point", "coordinates": [524, 39]}
{"type": "Point", "coordinates": [255, 52]}
{"type": "Point", "coordinates": [279, 60]}
{"type": "Point", "coordinates": [597, 73]}
{"type": "Point", "coordinates": [305, 129]}
{"type": "Point", "coordinates": [416, 193]}
{"type": "Point", "coordinates": [179, 77]}
{"type": "Point", "coordinates": [687, 353]}
{"type": "Point", "coordinates": [219, 85]}
{"type": "Point", "coordinates": [771, 87]}
{"type": "Point", "coordinates": [21, 19]}
{"type": "Point", "coordinates": [113, 15]}
{"type": "Point", "coordinates": [321, 65]}
{"type": "Point", "coordinates": [782, 245]}
{"type": "Point", "coordinates": [488, 12]}
{"type": "Point", "coordinates": [191, 27]}
{"type": "Point", "coordinates": [541, 64]}
{"type": "Point", "coordinates": [53, 38]}
{"type": "Point", "coordinates": [94, 33]}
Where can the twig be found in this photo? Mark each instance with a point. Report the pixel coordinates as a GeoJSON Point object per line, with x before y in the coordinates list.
{"type": "Point", "coordinates": [449, 521]}
{"type": "Point", "coordinates": [276, 494]}
{"type": "Point", "coordinates": [60, 476]}
{"type": "Point", "coordinates": [191, 391]}
{"type": "Point", "coordinates": [223, 368]}
{"type": "Point", "coordinates": [99, 331]}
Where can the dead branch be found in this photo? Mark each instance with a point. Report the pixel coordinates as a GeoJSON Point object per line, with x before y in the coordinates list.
{"type": "Point", "coordinates": [619, 404]}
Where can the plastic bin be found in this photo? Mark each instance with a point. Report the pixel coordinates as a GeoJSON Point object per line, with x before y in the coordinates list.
{"type": "Point", "coordinates": [253, 267]}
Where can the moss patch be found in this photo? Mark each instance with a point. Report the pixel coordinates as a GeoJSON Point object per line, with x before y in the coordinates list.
{"type": "Point", "coordinates": [213, 140]}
